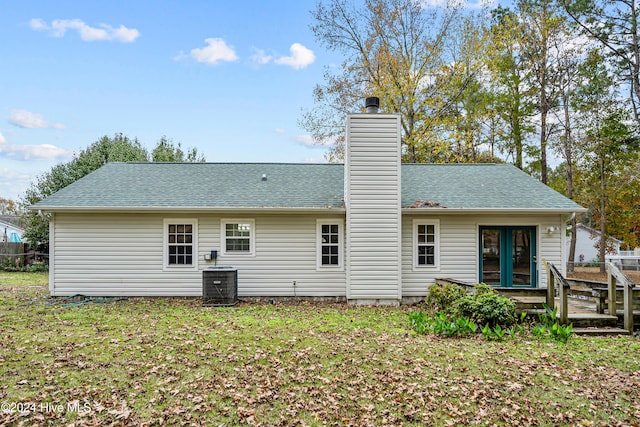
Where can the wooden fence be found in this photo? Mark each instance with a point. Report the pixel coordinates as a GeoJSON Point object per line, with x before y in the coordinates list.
{"type": "Point", "coordinates": [11, 252]}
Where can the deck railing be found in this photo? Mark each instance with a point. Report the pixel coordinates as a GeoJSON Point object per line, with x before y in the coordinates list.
{"type": "Point", "coordinates": [615, 276]}
{"type": "Point", "coordinates": [554, 276]}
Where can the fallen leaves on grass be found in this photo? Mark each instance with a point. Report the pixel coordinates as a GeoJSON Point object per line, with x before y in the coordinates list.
{"type": "Point", "coordinates": [170, 361]}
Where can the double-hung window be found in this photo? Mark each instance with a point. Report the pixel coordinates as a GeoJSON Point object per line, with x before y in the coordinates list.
{"type": "Point", "coordinates": [426, 244]}
{"type": "Point", "coordinates": [330, 246]}
{"type": "Point", "coordinates": [238, 237]}
{"type": "Point", "coordinates": [180, 249]}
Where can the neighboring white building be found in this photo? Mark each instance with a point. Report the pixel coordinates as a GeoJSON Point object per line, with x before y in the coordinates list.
{"type": "Point", "coordinates": [370, 231]}
{"type": "Point", "coordinates": [10, 231]}
{"type": "Point", "coordinates": [587, 239]}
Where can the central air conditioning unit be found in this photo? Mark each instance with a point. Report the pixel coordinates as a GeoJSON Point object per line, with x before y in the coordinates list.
{"type": "Point", "coordinates": [219, 287]}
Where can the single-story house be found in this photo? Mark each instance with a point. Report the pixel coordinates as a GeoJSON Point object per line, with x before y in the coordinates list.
{"type": "Point", "coordinates": [371, 230]}
{"type": "Point", "coordinates": [587, 240]}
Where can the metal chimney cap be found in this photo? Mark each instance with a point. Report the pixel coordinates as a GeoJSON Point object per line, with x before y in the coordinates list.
{"type": "Point", "coordinates": [372, 104]}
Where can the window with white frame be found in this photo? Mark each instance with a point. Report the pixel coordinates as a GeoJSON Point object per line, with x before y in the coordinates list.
{"type": "Point", "coordinates": [329, 243]}
{"type": "Point", "coordinates": [238, 237]}
{"type": "Point", "coordinates": [180, 249]}
{"type": "Point", "coordinates": [426, 243]}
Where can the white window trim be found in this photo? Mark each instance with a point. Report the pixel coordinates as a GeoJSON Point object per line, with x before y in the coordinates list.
{"type": "Point", "coordinates": [165, 242]}
{"type": "Point", "coordinates": [319, 224]}
{"type": "Point", "coordinates": [436, 230]}
{"type": "Point", "coordinates": [223, 236]}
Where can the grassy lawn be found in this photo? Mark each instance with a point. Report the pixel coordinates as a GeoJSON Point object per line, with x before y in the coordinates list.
{"type": "Point", "coordinates": [157, 361]}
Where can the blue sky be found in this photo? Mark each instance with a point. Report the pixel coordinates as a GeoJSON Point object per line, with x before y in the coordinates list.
{"type": "Point", "coordinates": [229, 78]}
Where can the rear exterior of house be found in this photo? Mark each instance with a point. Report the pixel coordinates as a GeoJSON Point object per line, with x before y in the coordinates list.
{"type": "Point", "coordinates": [369, 231]}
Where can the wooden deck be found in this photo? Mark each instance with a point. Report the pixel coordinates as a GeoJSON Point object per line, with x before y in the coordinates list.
{"type": "Point", "coordinates": [585, 305]}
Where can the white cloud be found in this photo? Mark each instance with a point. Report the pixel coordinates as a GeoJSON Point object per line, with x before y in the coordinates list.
{"type": "Point", "coordinates": [38, 25]}
{"type": "Point", "coordinates": [314, 160]}
{"type": "Point", "coordinates": [216, 51]}
{"type": "Point", "coordinates": [59, 27]}
{"type": "Point", "coordinates": [307, 141]}
{"type": "Point", "coordinates": [31, 152]}
{"type": "Point", "coordinates": [300, 57]}
{"type": "Point", "coordinates": [28, 120]}
{"type": "Point", "coordinates": [280, 131]}
{"type": "Point", "coordinates": [9, 175]}
{"type": "Point", "coordinates": [260, 57]}
{"type": "Point", "coordinates": [13, 183]}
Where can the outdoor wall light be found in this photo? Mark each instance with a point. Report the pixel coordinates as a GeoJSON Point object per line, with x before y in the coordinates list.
{"type": "Point", "coordinates": [550, 230]}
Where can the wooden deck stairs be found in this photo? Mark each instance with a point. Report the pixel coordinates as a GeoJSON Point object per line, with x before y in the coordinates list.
{"type": "Point", "coordinates": [587, 310]}
{"type": "Point", "coordinates": [582, 311]}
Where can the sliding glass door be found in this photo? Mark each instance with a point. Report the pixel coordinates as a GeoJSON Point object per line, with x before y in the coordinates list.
{"type": "Point", "coordinates": [507, 256]}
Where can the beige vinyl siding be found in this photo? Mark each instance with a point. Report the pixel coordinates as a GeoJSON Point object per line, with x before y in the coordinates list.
{"type": "Point", "coordinates": [459, 240]}
{"type": "Point", "coordinates": [372, 180]}
{"type": "Point", "coordinates": [122, 254]}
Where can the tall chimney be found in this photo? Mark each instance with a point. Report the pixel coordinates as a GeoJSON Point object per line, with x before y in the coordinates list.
{"type": "Point", "coordinates": [373, 253]}
{"type": "Point", "coordinates": [372, 104]}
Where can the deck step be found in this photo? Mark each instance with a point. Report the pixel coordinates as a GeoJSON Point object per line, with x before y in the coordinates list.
{"type": "Point", "coordinates": [592, 320]}
{"type": "Point", "coordinates": [581, 320]}
{"type": "Point", "coordinates": [600, 331]}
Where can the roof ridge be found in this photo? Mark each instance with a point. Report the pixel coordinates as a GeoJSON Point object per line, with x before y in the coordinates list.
{"type": "Point", "coordinates": [223, 163]}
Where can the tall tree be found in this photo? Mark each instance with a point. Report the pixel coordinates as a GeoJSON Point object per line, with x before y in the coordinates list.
{"type": "Point", "coordinates": [614, 24]}
{"type": "Point", "coordinates": [543, 24]}
{"type": "Point", "coordinates": [614, 144]}
{"type": "Point", "coordinates": [467, 120]}
{"type": "Point", "coordinates": [513, 98]}
{"type": "Point", "coordinates": [570, 53]}
{"type": "Point", "coordinates": [609, 146]}
{"type": "Point", "coordinates": [393, 50]}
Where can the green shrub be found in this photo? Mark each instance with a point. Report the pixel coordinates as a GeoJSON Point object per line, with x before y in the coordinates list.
{"type": "Point", "coordinates": [549, 327]}
{"type": "Point", "coordinates": [497, 333]}
{"type": "Point", "coordinates": [483, 289]}
{"type": "Point", "coordinates": [15, 265]}
{"type": "Point", "coordinates": [37, 267]}
{"type": "Point", "coordinates": [443, 297]}
{"type": "Point", "coordinates": [488, 308]}
{"type": "Point", "coordinates": [441, 324]}
{"type": "Point", "coordinates": [419, 321]}
{"type": "Point", "coordinates": [11, 264]}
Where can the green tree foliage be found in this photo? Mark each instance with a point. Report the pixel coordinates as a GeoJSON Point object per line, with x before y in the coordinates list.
{"type": "Point", "coordinates": [513, 99]}
{"type": "Point", "coordinates": [467, 122]}
{"type": "Point", "coordinates": [612, 149]}
{"type": "Point", "coordinates": [543, 26]}
{"type": "Point", "coordinates": [167, 151]}
{"type": "Point", "coordinates": [614, 24]}
{"type": "Point", "coordinates": [608, 148]}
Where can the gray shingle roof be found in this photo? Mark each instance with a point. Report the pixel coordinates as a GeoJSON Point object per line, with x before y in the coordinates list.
{"type": "Point", "coordinates": [204, 185]}
{"type": "Point", "coordinates": [479, 186]}
{"type": "Point", "coordinates": [302, 186]}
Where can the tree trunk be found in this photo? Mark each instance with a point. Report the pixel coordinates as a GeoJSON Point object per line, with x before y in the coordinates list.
{"type": "Point", "coordinates": [568, 150]}
{"type": "Point", "coordinates": [603, 225]}
{"type": "Point", "coordinates": [543, 136]}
